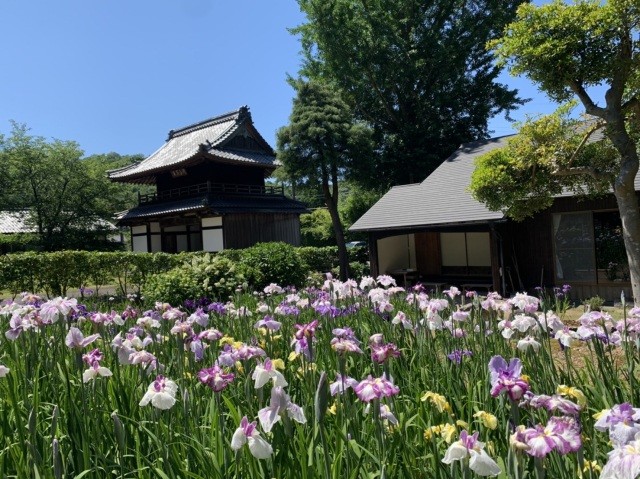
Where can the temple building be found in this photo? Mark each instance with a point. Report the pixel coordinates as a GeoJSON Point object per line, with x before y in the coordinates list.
{"type": "Point", "coordinates": [210, 191]}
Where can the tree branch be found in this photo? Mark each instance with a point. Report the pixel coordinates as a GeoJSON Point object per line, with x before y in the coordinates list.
{"type": "Point", "coordinates": [580, 170]}
{"type": "Point", "coordinates": [590, 107]}
{"type": "Point", "coordinates": [614, 94]}
{"type": "Point", "coordinates": [584, 141]}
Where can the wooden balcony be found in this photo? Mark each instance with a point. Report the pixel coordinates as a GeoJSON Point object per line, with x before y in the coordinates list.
{"type": "Point", "coordinates": [208, 188]}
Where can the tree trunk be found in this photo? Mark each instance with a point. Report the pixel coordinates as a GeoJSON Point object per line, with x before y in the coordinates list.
{"type": "Point", "coordinates": [630, 216]}
{"type": "Point", "coordinates": [624, 191]}
{"type": "Point", "coordinates": [332, 206]}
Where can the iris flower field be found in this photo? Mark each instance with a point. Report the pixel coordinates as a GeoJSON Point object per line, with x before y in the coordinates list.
{"type": "Point", "coordinates": [339, 380]}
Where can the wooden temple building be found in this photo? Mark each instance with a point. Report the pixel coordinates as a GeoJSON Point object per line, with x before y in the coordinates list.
{"type": "Point", "coordinates": [210, 191]}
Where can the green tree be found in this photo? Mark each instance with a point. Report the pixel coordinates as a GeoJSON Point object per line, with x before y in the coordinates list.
{"type": "Point", "coordinates": [356, 203]}
{"type": "Point", "coordinates": [59, 193]}
{"type": "Point", "coordinates": [322, 143]}
{"type": "Point", "coordinates": [566, 49]}
{"type": "Point", "coordinates": [119, 196]}
{"type": "Point", "coordinates": [416, 71]}
{"type": "Point", "coordinates": [316, 228]}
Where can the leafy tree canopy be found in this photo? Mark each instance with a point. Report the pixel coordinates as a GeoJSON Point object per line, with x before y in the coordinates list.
{"type": "Point", "coordinates": [64, 197]}
{"type": "Point", "coordinates": [416, 71]}
{"type": "Point", "coordinates": [550, 154]}
{"type": "Point", "coordinates": [566, 49]}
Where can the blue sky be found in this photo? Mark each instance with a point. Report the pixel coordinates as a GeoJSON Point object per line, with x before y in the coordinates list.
{"type": "Point", "coordinates": [117, 75]}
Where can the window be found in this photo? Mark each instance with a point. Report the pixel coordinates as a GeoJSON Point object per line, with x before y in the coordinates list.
{"type": "Point", "coordinates": [574, 246]}
{"type": "Point", "coordinates": [611, 255]}
{"type": "Point", "coordinates": [589, 247]}
{"type": "Point", "coordinates": [466, 253]}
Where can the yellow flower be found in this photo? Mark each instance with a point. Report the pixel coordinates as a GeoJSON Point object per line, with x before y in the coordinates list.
{"type": "Point", "coordinates": [293, 356]}
{"type": "Point", "coordinates": [237, 344]}
{"type": "Point", "coordinates": [226, 340]}
{"type": "Point", "coordinates": [431, 431]}
{"type": "Point", "coordinates": [239, 367]}
{"type": "Point", "coordinates": [525, 378]}
{"type": "Point", "coordinates": [276, 337]}
{"type": "Point", "coordinates": [462, 424]}
{"type": "Point", "coordinates": [438, 400]}
{"type": "Point", "coordinates": [487, 419]}
{"type": "Point", "coordinates": [277, 363]}
{"type": "Point", "coordinates": [333, 409]}
{"type": "Point", "coordinates": [308, 367]}
{"type": "Point", "coordinates": [575, 393]}
{"type": "Point", "coordinates": [448, 432]}
{"type": "Point", "coordinates": [491, 448]}
{"type": "Point", "coordinates": [591, 466]}
{"type": "Point", "coordinates": [597, 415]}
{"type": "Point", "coordinates": [263, 331]}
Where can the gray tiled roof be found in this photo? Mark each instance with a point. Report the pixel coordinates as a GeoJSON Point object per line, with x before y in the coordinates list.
{"type": "Point", "coordinates": [159, 209]}
{"type": "Point", "coordinates": [216, 205]}
{"type": "Point", "coordinates": [204, 137]}
{"type": "Point", "coordinates": [441, 199]}
{"type": "Point", "coordinates": [14, 222]}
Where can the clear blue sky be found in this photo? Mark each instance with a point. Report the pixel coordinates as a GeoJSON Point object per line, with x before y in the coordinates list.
{"type": "Point", "coordinates": [117, 75]}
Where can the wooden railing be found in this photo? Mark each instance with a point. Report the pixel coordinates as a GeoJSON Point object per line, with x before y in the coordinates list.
{"type": "Point", "coordinates": [210, 188]}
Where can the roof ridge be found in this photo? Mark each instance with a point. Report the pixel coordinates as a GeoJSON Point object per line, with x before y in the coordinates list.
{"type": "Point", "coordinates": [484, 141]}
{"type": "Point", "coordinates": [239, 114]}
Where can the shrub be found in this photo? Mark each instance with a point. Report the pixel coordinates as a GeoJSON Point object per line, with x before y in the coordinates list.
{"type": "Point", "coordinates": [15, 243]}
{"type": "Point", "coordinates": [318, 260]}
{"type": "Point", "coordinates": [594, 303]}
{"type": "Point", "coordinates": [200, 276]}
{"type": "Point", "coordinates": [273, 263]}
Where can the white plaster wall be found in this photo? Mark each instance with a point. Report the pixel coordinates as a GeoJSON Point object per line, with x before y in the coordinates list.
{"type": "Point", "coordinates": [140, 244]}
{"type": "Point", "coordinates": [396, 252]}
{"type": "Point", "coordinates": [212, 240]}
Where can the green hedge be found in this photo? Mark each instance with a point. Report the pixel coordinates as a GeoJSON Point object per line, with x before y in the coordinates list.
{"type": "Point", "coordinates": [56, 273]}
{"type": "Point", "coordinates": [15, 243]}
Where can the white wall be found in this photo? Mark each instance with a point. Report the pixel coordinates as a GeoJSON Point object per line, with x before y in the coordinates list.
{"type": "Point", "coordinates": [396, 252]}
{"type": "Point", "coordinates": [212, 240]}
{"type": "Point", "coordinates": [140, 244]}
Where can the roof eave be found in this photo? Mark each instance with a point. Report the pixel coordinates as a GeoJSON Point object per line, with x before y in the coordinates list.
{"type": "Point", "coordinates": [429, 225]}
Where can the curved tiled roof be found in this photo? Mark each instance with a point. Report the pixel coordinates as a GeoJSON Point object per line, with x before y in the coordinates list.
{"type": "Point", "coordinates": [217, 205]}
{"type": "Point", "coordinates": [205, 137]}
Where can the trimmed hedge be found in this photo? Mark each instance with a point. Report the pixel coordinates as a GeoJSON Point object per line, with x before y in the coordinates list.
{"type": "Point", "coordinates": [57, 272]}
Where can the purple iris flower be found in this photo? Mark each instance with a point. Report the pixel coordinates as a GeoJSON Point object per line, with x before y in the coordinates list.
{"type": "Point", "coordinates": [75, 339]}
{"type": "Point", "coordinates": [218, 308]}
{"type": "Point", "coordinates": [457, 355]}
{"type": "Point", "coordinates": [622, 421]}
{"type": "Point", "coordinates": [561, 434]}
{"type": "Point", "coordinates": [507, 377]}
{"type": "Point", "coordinates": [269, 323]}
{"type": "Point", "coordinates": [215, 378]}
{"type": "Point", "coordinates": [551, 403]}
{"type": "Point", "coordinates": [375, 388]}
